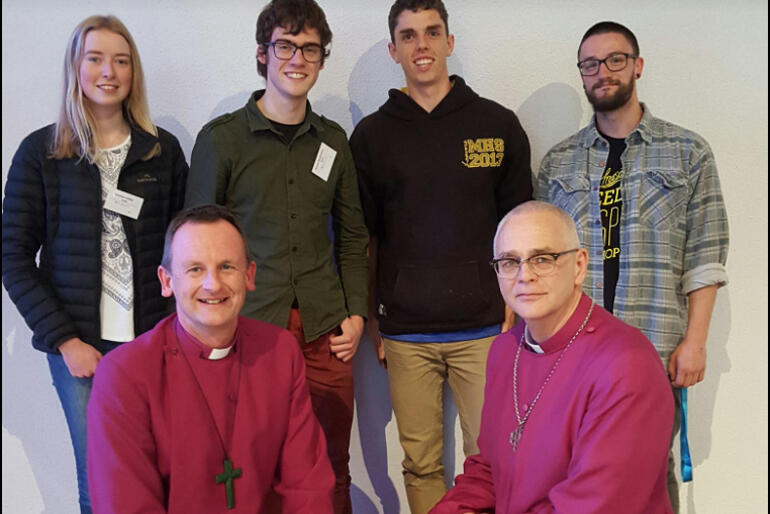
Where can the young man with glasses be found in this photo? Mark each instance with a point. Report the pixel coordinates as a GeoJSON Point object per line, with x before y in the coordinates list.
{"type": "Point", "coordinates": [576, 405]}
{"type": "Point", "coordinates": [438, 167]}
{"type": "Point", "coordinates": [284, 170]}
{"type": "Point", "coordinates": [646, 196]}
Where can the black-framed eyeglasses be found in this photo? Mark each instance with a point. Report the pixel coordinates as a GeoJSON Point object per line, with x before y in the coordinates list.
{"type": "Point", "coordinates": [614, 62]}
{"type": "Point", "coordinates": [285, 50]}
{"type": "Point", "coordinates": [541, 264]}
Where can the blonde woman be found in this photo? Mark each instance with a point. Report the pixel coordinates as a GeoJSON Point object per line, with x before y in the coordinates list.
{"type": "Point", "coordinates": [93, 194]}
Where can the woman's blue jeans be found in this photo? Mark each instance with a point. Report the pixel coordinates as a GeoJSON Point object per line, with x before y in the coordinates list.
{"type": "Point", "coordinates": [74, 394]}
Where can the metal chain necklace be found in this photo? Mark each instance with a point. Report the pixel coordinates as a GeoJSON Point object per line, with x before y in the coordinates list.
{"type": "Point", "coordinates": [520, 421]}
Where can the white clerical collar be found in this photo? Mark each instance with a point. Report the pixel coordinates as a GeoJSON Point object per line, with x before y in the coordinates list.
{"type": "Point", "coordinates": [534, 346]}
{"type": "Point", "coordinates": [219, 353]}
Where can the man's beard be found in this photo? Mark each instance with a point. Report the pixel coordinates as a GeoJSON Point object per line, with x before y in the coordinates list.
{"type": "Point", "coordinates": [614, 101]}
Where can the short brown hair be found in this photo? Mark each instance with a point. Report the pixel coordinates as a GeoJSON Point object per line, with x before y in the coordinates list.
{"type": "Point", "coordinates": [294, 16]}
{"type": "Point", "coordinates": [208, 213]}
{"type": "Point", "coordinates": [400, 6]}
{"type": "Point", "coordinates": [607, 27]}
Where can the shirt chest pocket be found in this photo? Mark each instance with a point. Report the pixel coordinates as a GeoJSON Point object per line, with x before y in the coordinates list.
{"type": "Point", "coordinates": [571, 193]}
{"type": "Point", "coordinates": [663, 198]}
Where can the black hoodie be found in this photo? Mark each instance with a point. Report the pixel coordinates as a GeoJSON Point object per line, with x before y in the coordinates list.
{"type": "Point", "coordinates": [433, 187]}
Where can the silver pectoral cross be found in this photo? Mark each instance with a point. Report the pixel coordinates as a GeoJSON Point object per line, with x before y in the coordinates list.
{"type": "Point", "coordinates": [516, 436]}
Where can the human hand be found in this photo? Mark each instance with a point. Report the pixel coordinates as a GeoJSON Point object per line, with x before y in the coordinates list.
{"type": "Point", "coordinates": [509, 321]}
{"type": "Point", "coordinates": [81, 358]}
{"type": "Point", "coordinates": [345, 345]}
{"type": "Point", "coordinates": [373, 334]}
{"type": "Point", "coordinates": [687, 365]}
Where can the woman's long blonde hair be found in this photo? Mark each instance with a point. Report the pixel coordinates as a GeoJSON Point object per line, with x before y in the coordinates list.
{"type": "Point", "coordinates": [74, 130]}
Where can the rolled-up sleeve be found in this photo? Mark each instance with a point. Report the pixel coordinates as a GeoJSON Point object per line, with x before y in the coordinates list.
{"type": "Point", "coordinates": [707, 228]}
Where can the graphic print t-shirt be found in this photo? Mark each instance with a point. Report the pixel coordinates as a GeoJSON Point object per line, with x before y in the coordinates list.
{"type": "Point", "coordinates": [611, 207]}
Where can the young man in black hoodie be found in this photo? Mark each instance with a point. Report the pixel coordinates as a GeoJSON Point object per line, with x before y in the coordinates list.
{"type": "Point", "coordinates": [438, 167]}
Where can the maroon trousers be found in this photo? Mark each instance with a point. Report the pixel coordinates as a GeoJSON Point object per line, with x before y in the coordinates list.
{"type": "Point", "coordinates": [331, 392]}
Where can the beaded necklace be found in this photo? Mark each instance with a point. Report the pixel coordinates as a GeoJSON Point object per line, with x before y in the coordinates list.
{"type": "Point", "coordinates": [520, 421]}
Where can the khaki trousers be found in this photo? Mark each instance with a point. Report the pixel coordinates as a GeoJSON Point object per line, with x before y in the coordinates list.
{"type": "Point", "coordinates": [416, 373]}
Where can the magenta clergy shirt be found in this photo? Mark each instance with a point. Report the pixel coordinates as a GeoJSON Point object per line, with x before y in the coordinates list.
{"type": "Point", "coordinates": [152, 445]}
{"type": "Point", "coordinates": [597, 440]}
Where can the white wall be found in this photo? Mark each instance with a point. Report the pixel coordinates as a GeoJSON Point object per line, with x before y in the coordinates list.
{"type": "Point", "coordinates": [705, 68]}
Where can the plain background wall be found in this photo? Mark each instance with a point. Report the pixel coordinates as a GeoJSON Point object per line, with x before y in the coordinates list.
{"type": "Point", "coordinates": [705, 68]}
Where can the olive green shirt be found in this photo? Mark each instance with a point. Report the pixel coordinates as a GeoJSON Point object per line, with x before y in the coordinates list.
{"type": "Point", "coordinates": [242, 162]}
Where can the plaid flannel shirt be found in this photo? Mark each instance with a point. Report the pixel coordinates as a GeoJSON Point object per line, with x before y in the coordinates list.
{"type": "Point", "coordinates": [673, 228]}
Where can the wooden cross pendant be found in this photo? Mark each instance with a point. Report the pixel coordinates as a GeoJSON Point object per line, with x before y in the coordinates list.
{"type": "Point", "coordinates": [227, 478]}
{"type": "Point", "coordinates": [516, 435]}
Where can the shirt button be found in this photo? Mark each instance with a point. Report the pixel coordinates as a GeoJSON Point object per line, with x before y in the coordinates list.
{"type": "Point", "coordinates": [598, 222]}
{"type": "Point", "coordinates": [599, 284]}
{"type": "Point", "coordinates": [599, 253]}
{"type": "Point", "coordinates": [293, 215]}
{"type": "Point", "coordinates": [525, 407]}
{"type": "Point", "coordinates": [174, 351]}
{"type": "Point", "coordinates": [291, 181]}
{"type": "Point", "coordinates": [590, 330]}
{"type": "Point", "coordinates": [602, 164]}
{"type": "Point", "coordinates": [232, 397]}
{"type": "Point", "coordinates": [293, 248]}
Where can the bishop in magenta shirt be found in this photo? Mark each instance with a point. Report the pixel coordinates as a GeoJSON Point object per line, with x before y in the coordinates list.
{"type": "Point", "coordinates": [162, 409]}
{"type": "Point", "coordinates": [596, 441]}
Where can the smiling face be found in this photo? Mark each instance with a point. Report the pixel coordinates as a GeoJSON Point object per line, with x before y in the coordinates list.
{"type": "Point", "coordinates": [294, 78]}
{"type": "Point", "coordinates": [105, 71]}
{"type": "Point", "coordinates": [421, 46]}
{"type": "Point", "coordinates": [545, 303]}
{"type": "Point", "coordinates": [610, 90]}
{"type": "Point", "coordinates": [209, 277]}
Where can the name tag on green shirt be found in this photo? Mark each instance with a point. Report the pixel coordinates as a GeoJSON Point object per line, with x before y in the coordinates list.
{"type": "Point", "coordinates": [324, 161]}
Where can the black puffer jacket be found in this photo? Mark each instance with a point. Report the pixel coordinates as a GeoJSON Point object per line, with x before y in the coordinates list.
{"type": "Point", "coordinates": [55, 206]}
